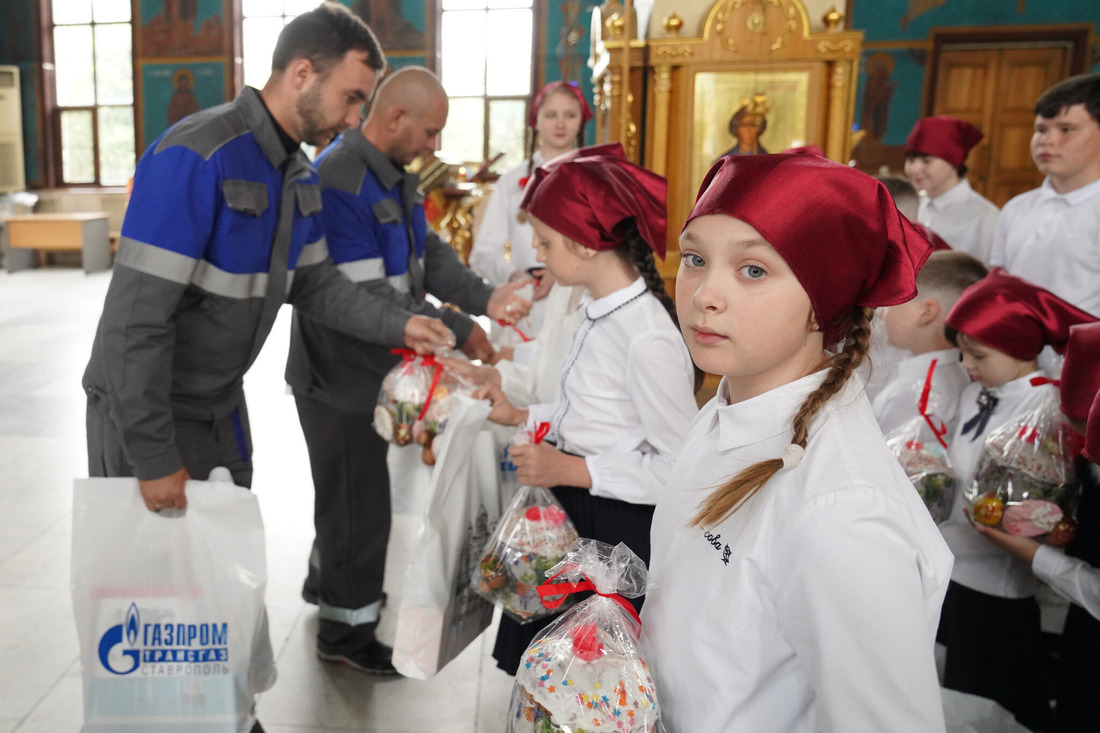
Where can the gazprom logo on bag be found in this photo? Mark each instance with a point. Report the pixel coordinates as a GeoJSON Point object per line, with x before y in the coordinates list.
{"type": "Point", "coordinates": [164, 648]}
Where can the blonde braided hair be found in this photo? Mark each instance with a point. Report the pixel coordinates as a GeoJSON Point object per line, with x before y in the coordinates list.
{"type": "Point", "coordinates": [730, 496]}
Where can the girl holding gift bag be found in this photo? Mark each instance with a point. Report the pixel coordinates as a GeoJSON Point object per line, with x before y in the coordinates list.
{"type": "Point", "coordinates": [626, 386]}
{"type": "Point", "coordinates": [796, 575]}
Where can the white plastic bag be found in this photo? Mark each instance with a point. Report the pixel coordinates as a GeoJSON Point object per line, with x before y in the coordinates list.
{"type": "Point", "coordinates": [440, 614]}
{"type": "Point", "coordinates": [170, 609]}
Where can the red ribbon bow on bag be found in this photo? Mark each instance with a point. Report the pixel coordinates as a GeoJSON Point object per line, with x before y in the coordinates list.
{"type": "Point", "coordinates": [409, 357]}
{"type": "Point", "coordinates": [564, 589]}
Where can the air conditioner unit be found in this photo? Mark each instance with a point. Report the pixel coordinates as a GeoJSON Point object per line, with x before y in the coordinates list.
{"type": "Point", "coordinates": [12, 174]}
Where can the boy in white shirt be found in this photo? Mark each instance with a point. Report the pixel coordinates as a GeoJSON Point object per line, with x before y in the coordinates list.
{"type": "Point", "coordinates": [917, 327]}
{"type": "Point", "coordinates": [990, 619]}
{"type": "Point", "coordinates": [1051, 234]}
{"type": "Point", "coordinates": [935, 161]}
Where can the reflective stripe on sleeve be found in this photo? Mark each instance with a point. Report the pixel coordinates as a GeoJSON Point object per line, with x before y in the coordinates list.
{"type": "Point", "coordinates": [359, 271]}
{"type": "Point", "coordinates": [313, 253]}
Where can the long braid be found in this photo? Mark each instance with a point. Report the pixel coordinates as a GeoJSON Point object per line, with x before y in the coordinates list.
{"type": "Point", "coordinates": [729, 497]}
{"type": "Point", "coordinates": [641, 256]}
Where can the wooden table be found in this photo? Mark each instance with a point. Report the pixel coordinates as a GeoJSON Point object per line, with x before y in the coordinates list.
{"type": "Point", "coordinates": [83, 232]}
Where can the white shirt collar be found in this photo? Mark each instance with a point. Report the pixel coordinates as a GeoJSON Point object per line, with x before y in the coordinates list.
{"type": "Point", "coordinates": [1074, 197]}
{"type": "Point", "coordinates": [957, 193]}
{"type": "Point", "coordinates": [917, 365]}
{"type": "Point", "coordinates": [1017, 388]}
{"type": "Point", "coordinates": [764, 416]}
{"type": "Point", "coordinates": [598, 308]}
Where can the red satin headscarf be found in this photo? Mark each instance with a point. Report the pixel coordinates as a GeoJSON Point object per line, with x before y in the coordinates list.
{"type": "Point", "coordinates": [836, 228]}
{"type": "Point", "coordinates": [943, 137]}
{"type": "Point", "coordinates": [1092, 433]}
{"type": "Point", "coordinates": [1014, 316]}
{"type": "Point", "coordinates": [572, 86]}
{"type": "Point", "coordinates": [587, 194]}
{"type": "Point", "coordinates": [1080, 380]}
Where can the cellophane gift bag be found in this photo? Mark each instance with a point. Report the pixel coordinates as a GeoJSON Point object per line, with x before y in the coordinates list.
{"type": "Point", "coordinates": [922, 453]}
{"type": "Point", "coordinates": [1026, 483]}
{"type": "Point", "coordinates": [533, 535]}
{"type": "Point", "coordinates": [587, 671]}
{"type": "Point", "coordinates": [415, 401]}
{"type": "Point", "coordinates": [170, 608]}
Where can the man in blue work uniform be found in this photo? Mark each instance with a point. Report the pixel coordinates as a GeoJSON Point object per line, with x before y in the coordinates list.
{"type": "Point", "coordinates": [378, 236]}
{"type": "Point", "coordinates": [221, 229]}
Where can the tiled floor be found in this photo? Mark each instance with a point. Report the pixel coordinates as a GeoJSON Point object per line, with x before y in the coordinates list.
{"type": "Point", "coordinates": [47, 320]}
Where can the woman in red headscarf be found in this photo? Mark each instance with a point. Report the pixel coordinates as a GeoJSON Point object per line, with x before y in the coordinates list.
{"type": "Point", "coordinates": [626, 393]}
{"type": "Point", "coordinates": [502, 249]}
{"type": "Point", "coordinates": [796, 576]}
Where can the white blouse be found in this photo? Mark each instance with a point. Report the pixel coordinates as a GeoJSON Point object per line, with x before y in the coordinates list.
{"type": "Point", "coordinates": [534, 372]}
{"type": "Point", "coordinates": [963, 217]}
{"type": "Point", "coordinates": [899, 400]}
{"type": "Point", "coordinates": [979, 564]}
{"type": "Point", "coordinates": [815, 606]}
{"type": "Point", "coordinates": [625, 397]}
{"type": "Point", "coordinates": [500, 226]}
{"type": "Point", "coordinates": [1070, 577]}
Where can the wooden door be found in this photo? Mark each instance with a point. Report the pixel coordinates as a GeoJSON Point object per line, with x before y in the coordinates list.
{"type": "Point", "coordinates": [994, 87]}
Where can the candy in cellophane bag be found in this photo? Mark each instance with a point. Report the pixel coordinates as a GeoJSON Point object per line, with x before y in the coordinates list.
{"type": "Point", "coordinates": [1025, 482]}
{"type": "Point", "coordinates": [415, 400]}
{"type": "Point", "coordinates": [587, 671]}
{"type": "Point", "coordinates": [922, 453]}
{"type": "Point", "coordinates": [533, 535]}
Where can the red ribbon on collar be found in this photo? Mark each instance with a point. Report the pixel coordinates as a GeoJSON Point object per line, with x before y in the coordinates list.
{"type": "Point", "coordinates": [408, 357]}
{"type": "Point", "coordinates": [565, 589]}
{"type": "Point", "coordinates": [940, 431]}
{"type": "Point", "coordinates": [515, 328]}
{"type": "Point", "coordinates": [1040, 381]}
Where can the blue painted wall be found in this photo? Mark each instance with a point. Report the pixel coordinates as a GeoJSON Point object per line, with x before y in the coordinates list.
{"type": "Point", "coordinates": [885, 22]}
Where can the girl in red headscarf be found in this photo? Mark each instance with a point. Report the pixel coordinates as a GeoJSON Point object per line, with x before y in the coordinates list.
{"type": "Point", "coordinates": [502, 249]}
{"type": "Point", "coordinates": [626, 391]}
{"type": "Point", "coordinates": [796, 576]}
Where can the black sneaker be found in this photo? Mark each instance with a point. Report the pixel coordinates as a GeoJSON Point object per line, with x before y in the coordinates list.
{"type": "Point", "coordinates": [375, 658]}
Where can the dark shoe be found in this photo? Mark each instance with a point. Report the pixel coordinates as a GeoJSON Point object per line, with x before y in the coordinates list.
{"type": "Point", "coordinates": [374, 658]}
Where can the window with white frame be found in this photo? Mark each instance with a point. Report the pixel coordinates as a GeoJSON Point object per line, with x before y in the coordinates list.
{"type": "Point", "coordinates": [261, 23]}
{"type": "Point", "coordinates": [94, 95]}
{"type": "Point", "coordinates": [487, 69]}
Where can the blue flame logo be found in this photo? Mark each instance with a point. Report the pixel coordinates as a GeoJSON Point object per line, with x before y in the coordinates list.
{"type": "Point", "coordinates": [133, 623]}
{"type": "Point", "coordinates": [113, 637]}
